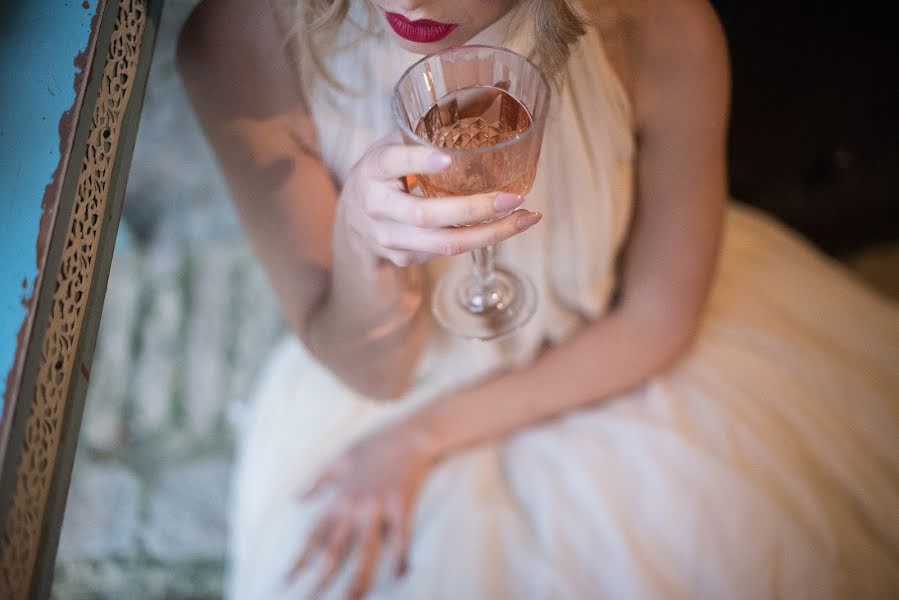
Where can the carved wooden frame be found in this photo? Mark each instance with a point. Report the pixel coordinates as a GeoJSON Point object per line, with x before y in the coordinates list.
{"type": "Point", "coordinates": [41, 434]}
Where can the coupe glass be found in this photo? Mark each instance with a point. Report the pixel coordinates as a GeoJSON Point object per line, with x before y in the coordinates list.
{"type": "Point", "coordinates": [486, 108]}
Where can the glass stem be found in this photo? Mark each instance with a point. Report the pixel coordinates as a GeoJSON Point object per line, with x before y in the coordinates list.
{"type": "Point", "coordinates": [482, 259]}
{"type": "Point", "coordinates": [482, 295]}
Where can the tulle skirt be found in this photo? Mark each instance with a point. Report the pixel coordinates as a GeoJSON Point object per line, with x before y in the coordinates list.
{"type": "Point", "coordinates": [764, 464]}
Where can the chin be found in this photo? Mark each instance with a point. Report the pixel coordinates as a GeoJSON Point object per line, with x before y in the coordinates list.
{"type": "Point", "coordinates": [423, 49]}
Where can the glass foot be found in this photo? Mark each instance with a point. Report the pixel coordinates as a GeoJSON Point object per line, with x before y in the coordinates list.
{"type": "Point", "coordinates": [465, 309]}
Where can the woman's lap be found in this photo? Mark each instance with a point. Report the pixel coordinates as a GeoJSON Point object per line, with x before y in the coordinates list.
{"type": "Point", "coordinates": [763, 464]}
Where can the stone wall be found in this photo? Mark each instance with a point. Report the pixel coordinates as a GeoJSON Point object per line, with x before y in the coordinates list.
{"type": "Point", "coordinates": [187, 320]}
{"type": "Point", "coordinates": [182, 335]}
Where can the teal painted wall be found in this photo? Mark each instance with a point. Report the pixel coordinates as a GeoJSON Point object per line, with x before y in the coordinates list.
{"type": "Point", "coordinates": [39, 41]}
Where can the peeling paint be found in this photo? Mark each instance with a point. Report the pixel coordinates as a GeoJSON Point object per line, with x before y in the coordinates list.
{"type": "Point", "coordinates": [36, 150]}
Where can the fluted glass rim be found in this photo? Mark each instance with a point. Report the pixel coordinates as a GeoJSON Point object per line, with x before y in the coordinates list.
{"type": "Point", "coordinates": [545, 92]}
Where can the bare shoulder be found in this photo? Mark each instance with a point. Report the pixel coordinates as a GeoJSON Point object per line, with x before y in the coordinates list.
{"type": "Point", "coordinates": [683, 45]}
{"type": "Point", "coordinates": [237, 54]}
{"type": "Point", "coordinates": [683, 30]}
{"type": "Point", "coordinates": [651, 42]}
{"type": "Point", "coordinates": [670, 19]}
{"type": "Point", "coordinates": [680, 59]}
{"type": "Point", "coordinates": [220, 31]}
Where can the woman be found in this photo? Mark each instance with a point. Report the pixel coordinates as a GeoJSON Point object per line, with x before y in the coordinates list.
{"type": "Point", "coordinates": [702, 406]}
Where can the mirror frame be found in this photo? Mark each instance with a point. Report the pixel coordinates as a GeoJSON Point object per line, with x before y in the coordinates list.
{"type": "Point", "coordinates": [78, 216]}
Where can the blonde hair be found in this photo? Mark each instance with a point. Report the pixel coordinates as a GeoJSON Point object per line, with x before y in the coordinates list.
{"type": "Point", "coordinates": [557, 25]}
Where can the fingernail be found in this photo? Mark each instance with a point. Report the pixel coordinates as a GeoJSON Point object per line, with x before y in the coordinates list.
{"type": "Point", "coordinates": [528, 220]}
{"type": "Point", "coordinates": [438, 160]}
{"type": "Point", "coordinates": [506, 201]}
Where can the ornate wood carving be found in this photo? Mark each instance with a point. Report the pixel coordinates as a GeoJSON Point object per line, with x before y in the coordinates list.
{"type": "Point", "coordinates": [19, 547]}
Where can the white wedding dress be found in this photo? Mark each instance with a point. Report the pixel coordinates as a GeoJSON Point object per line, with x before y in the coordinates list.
{"type": "Point", "coordinates": [765, 464]}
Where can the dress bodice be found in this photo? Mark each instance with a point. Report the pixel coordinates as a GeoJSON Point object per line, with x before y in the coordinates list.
{"type": "Point", "coordinates": [583, 184]}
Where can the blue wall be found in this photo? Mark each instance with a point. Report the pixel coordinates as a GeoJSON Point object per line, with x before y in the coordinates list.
{"type": "Point", "coordinates": [39, 40]}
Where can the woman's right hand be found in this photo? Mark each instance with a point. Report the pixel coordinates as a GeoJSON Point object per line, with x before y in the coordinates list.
{"type": "Point", "coordinates": [405, 229]}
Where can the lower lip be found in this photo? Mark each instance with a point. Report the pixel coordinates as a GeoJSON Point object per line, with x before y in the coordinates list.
{"type": "Point", "coordinates": [421, 32]}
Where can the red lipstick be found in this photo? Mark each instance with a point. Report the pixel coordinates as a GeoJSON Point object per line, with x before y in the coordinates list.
{"type": "Point", "coordinates": [423, 31]}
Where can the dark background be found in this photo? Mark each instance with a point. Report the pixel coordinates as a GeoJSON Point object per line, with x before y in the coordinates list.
{"type": "Point", "coordinates": [815, 117]}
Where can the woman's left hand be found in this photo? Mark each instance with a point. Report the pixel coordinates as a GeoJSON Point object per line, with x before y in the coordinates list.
{"type": "Point", "coordinates": [375, 483]}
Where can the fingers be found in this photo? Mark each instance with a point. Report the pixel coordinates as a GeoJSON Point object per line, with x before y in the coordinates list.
{"type": "Point", "coordinates": [336, 552]}
{"type": "Point", "coordinates": [441, 212]}
{"type": "Point", "coordinates": [335, 535]}
{"type": "Point", "coordinates": [401, 519]}
{"type": "Point", "coordinates": [371, 538]}
{"type": "Point", "coordinates": [452, 241]}
{"type": "Point", "coordinates": [318, 537]}
{"type": "Point", "coordinates": [389, 162]}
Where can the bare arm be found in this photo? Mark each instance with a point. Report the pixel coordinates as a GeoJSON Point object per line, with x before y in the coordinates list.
{"type": "Point", "coordinates": [249, 102]}
{"type": "Point", "coordinates": [682, 92]}
{"type": "Point", "coordinates": [342, 262]}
